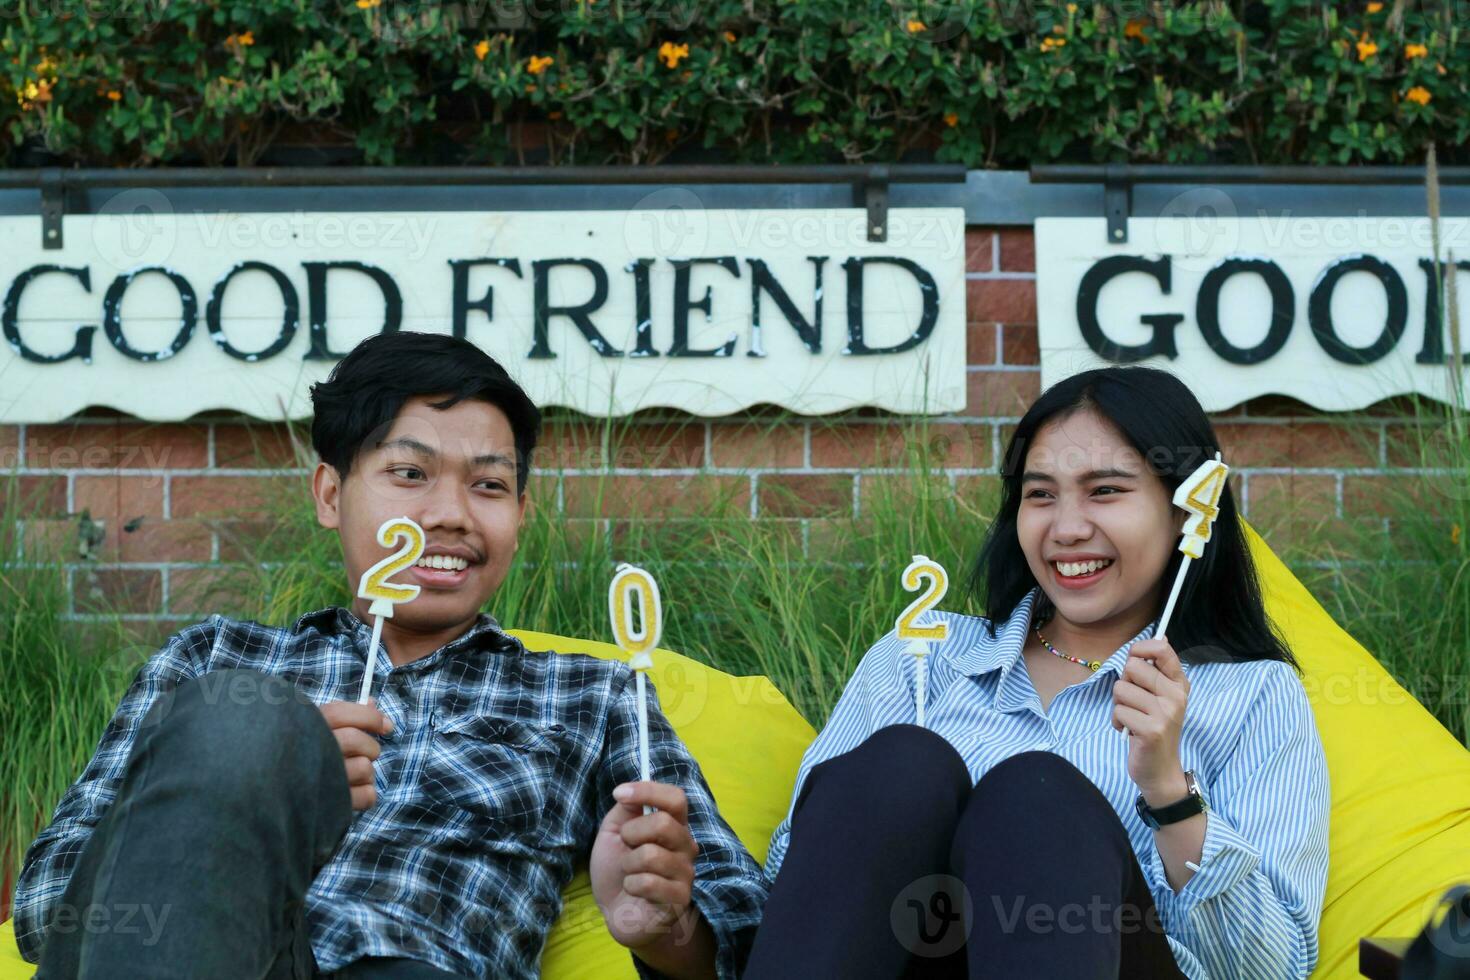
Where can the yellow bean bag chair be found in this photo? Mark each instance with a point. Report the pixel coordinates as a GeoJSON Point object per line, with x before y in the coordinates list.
{"type": "Point", "coordinates": [1400, 825]}
{"type": "Point", "coordinates": [748, 741]}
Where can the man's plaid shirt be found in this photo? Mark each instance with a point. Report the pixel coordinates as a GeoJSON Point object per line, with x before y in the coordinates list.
{"type": "Point", "coordinates": [491, 786]}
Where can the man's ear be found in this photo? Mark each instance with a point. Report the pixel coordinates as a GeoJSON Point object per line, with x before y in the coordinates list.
{"type": "Point", "coordinates": [326, 490]}
{"type": "Point", "coordinates": [520, 520]}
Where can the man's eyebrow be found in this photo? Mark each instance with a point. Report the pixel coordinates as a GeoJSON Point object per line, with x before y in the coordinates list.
{"type": "Point", "coordinates": [418, 448]}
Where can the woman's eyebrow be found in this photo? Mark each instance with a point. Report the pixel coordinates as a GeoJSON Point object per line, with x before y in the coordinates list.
{"type": "Point", "coordinates": [1113, 474]}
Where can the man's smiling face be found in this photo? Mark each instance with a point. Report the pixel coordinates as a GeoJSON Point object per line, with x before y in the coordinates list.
{"type": "Point", "coordinates": [454, 473]}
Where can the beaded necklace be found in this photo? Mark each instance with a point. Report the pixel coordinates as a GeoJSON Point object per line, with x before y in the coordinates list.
{"type": "Point", "coordinates": [1091, 665]}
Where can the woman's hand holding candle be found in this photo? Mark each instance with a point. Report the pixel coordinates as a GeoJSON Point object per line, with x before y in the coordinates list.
{"type": "Point", "coordinates": [1200, 496]}
{"type": "Point", "coordinates": [1149, 702]}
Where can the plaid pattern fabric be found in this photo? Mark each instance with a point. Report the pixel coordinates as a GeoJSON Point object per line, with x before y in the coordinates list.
{"type": "Point", "coordinates": [491, 786]}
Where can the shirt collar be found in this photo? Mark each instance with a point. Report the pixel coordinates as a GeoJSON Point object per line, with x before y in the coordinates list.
{"type": "Point", "coordinates": [1004, 652]}
{"type": "Point", "coordinates": [485, 634]}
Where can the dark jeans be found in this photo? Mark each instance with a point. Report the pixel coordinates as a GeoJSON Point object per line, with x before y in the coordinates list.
{"type": "Point", "coordinates": [235, 796]}
{"type": "Point", "coordinates": [898, 867]}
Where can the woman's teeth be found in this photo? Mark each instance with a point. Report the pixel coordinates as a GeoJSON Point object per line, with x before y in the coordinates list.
{"type": "Point", "coordinates": [444, 562]}
{"type": "Point", "coordinates": [1072, 569]}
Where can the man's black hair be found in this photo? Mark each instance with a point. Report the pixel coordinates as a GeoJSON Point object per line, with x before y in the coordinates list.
{"type": "Point", "coordinates": [367, 389]}
{"type": "Point", "coordinates": [1220, 612]}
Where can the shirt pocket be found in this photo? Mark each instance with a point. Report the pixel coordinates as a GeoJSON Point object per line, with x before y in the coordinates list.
{"type": "Point", "coordinates": [494, 774]}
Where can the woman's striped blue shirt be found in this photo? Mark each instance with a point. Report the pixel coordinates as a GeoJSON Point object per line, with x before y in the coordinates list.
{"type": "Point", "coordinates": [1253, 908]}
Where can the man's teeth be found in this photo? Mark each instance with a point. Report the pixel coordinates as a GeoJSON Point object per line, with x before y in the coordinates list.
{"type": "Point", "coordinates": [1075, 568]}
{"type": "Point", "coordinates": [443, 562]}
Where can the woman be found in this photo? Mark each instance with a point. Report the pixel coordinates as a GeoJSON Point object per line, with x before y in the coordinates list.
{"type": "Point", "coordinates": [1009, 836]}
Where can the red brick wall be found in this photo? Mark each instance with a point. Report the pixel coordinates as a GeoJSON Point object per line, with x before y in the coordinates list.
{"type": "Point", "coordinates": [1289, 462]}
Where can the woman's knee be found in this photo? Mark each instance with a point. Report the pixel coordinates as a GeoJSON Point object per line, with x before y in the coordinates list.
{"type": "Point", "coordinates": [1031, 786]}
{"type": "Point", "coordinates": [900, 762]}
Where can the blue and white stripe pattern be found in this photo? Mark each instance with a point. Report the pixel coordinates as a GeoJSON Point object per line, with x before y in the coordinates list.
{"type": "Point", "coordinates": [491, 786]}
{"type": "Point", "coordinates": [1253, 907]}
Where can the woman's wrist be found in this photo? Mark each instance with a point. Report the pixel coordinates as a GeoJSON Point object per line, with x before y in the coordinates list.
{"type": "Point", "coordinates": [1167, 791]}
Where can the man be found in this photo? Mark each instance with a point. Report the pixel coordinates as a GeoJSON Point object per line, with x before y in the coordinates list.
{"type": "Point", "coordinates": [259, 822]}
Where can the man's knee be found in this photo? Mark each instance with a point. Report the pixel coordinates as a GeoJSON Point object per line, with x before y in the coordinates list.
{"type": "Point", "coordinates": [245, 722]}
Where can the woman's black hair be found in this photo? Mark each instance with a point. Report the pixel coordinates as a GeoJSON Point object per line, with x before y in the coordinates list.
{"type": "Point", "coordinates": [367, 388]}
{"type": "Point", "coordinates": [1219, 614]}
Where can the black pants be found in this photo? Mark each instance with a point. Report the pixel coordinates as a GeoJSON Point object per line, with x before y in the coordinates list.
{"type": "Point", "coordinates": [234, 797]}
{"type": "Point", "coordinates": [898, 867]}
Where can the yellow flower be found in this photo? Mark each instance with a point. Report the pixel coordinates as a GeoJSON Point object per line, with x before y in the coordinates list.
{"type": "Point", "coordinates": [367, 4]}
{"type": "Point", "coordinates": [240, 40]}
{"type": "Point", "coordinates": [114, 94]}
{"type": "Point", "coordinates": [914, 26]}
{"type": "Point", "coordinates": [672, 53]}
{"type": "Point", "coordinates": [538, 64]}
{"type": "Point", "coordinates": [1052, 43]}
{"type": "Point", "coordinates": [1374, 7]}
{"type": "Point", "coordinates": [482, 49]}
{"type": "Point", "coordinates": [1134, 28]}
{"type": "Point", "coordinates": [34, 93]}
{"type": "Point", "coordinates": [1058, 29]}
{"type": "Point", "coordinates": [1366, 50]}
{"type": "Point", "coordinates": [1455, 534]}
{"type": "Point", "coordinates": [1439, 68]}
{"type": "Point", "coordinates": [730, 36]}
{"type": "Point", "coordinates": [1418, 94]}
{"type": "Point", "coordinates": [951, 119]}
{"type": "Point", "coordinates": [1415, 51]}
{"type": "Point", "coordinates": [1071, 8]}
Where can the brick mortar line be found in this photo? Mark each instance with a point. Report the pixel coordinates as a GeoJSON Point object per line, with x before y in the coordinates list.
{"type": "Point", "coordinates": [995, 251]}
{"type": "Point", "coordinates": [808, 469]}
{"type": "Point", "coordinates": [118, 472]}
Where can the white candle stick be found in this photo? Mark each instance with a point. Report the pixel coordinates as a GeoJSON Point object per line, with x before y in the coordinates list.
{"type": "Point", "coordinates": [384, 595]}
{"type": "Point", "coordinates": [1200, 495]}
{"type": "Point", "coordinates": [919, 637]}
{"type": "Point", "coordinates": [629, 583]}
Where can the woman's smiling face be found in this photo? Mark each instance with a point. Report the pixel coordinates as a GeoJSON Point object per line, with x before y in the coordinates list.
{"type": "Point", "coordinates": [1087, 496]}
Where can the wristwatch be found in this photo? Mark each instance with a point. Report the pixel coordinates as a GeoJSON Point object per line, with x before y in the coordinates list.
{"type": "Point", "coordinates": [1174, 812]}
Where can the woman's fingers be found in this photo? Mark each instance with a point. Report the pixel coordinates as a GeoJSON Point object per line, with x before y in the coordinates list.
{"type": "Point", "coordinates": [1163, 656]}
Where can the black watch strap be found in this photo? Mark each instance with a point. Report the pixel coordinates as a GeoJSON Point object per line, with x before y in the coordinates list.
{"type": "Point", "coordinates": [1156, 817]}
